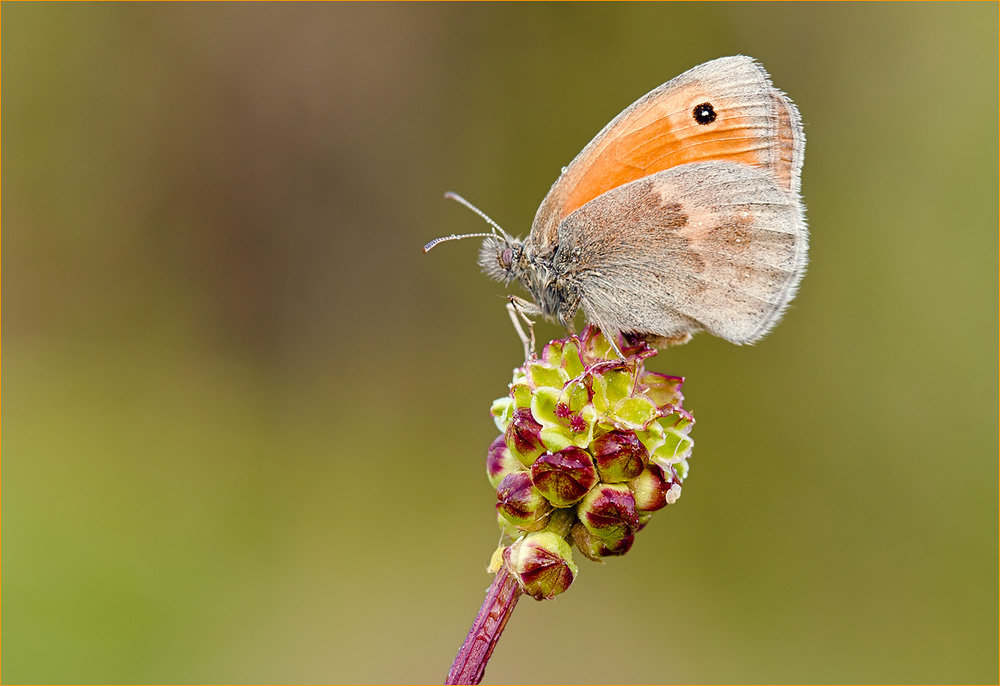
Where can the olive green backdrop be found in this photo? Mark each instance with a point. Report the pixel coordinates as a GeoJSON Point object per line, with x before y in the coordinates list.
{"type": "Point", "coordinates": [246, 419]}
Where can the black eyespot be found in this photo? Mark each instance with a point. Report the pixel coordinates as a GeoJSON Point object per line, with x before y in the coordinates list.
{"type": "Point", "coordinates": [507, 258]}
{"type": "Point", "coordinates": [704, 113]}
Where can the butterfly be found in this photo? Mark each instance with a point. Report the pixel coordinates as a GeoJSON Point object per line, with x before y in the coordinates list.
{"type": "Point", "coordinates": [682, 215]}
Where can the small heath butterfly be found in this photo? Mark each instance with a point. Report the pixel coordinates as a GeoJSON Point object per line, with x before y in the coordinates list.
{"type": "Point", "coordinates": [682, 215]}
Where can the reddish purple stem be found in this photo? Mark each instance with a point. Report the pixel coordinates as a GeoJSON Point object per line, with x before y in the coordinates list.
{"type": "Point", "coordinates": [472, 657]}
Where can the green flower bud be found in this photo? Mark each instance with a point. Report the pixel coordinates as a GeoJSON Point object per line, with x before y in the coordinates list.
{"type": "Point", "coordinates": [619, 456]}
{"type": "Point", "coordinates": [542, 563]}
{"type": "Point", "coordinates": [507, 529]}
{"type": "Point", "coordinates": [500, 462]}
{"type": "Point", "coordinates": [595, 548]}
{"type": "Point", "coordinates": [564, 477]}
{"type": "Point", "coordinates": [521, 504]}
{"type": "Point", "coordinates": [561, 521]}
{"type": "Point", "coordinates": [609, 512]}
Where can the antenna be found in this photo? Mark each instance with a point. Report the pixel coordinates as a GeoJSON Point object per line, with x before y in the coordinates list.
{"type": "Point", "coordinates": [454, 237]}
{"type": "Point", "coordinates": [459, 199]}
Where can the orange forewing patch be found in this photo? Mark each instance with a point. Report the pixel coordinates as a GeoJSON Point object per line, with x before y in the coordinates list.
{"type": "Point", "coordinates": [663, 134]}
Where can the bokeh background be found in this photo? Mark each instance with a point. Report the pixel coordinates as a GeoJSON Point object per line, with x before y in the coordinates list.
{"type": "Point", "coordinates": [246, 418]}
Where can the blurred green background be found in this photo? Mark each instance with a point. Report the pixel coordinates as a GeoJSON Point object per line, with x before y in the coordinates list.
{"type": "Point", "coordinates": [247, 419]}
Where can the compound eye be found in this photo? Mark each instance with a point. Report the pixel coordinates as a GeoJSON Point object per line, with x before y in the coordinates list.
{"type": "Point", "coordinates": [507, 258]}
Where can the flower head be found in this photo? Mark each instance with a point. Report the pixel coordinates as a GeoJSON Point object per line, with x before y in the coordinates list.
{"type": "Point", "coordinates": [591, 445]}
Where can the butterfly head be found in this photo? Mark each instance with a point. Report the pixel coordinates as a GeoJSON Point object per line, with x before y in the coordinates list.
{"type": "Point", "coordinates": [501, 257]}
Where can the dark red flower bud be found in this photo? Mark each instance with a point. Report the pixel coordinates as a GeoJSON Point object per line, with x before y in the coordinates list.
{"type": "Point", "coordinates": [619, 456]}
{"type": "Point", "coordinates": [500, 462]}
{"type": "Point", "coordinates": [542, 563]}
{"type": "Point", "coordinates": [564, 477]}
{"type": "Point", "coordinates": [523, 436]}
{"type": "Point", "coordinates": [521, 504]}
{"type": "Point", "coordinates": [654, 489]}
{"type": "Point", "coordinates": [608, 511]}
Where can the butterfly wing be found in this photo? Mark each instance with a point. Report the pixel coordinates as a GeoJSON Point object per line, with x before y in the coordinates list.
{"type": "Point", "coordinates": [717, 246]}
{"type": "Point", "coordinates": [747, 121]}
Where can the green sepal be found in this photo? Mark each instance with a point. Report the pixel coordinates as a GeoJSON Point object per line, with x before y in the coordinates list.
{"type": "Point", "coordinates": [634, 413]}
{"type": "Point", "coordinates": [521, 393]}
{"type": "Point", "coordinates": [555, 438]}
{"type": "Point", "coordinates": [676, 447]}
{"type": "Point", "coordinates": [575, 396]}
{"type": "Point", "coordinates": [682, 468]}
{"type": "Point", "coordinates": [662, 389]}
{"type": "Point", "coordinates": [552, 353]}
{"type": "Point", "coordinates": [543, 406]}
{"type": "Point", "coordinates": [677, 444]}
{"type": "Point", "coordinates": [571, 360]}
{"type": "Point", "coordinates": [557, 432]}
{"type": "Point", "coordinates": [583, 438]}
{"type": "Point", "coordinates": [598, 346]}
{"type": "Point", "coordinates": [502, 410]}
{"type": "Point", "coordinates": [599, 392]}
{"type": "Point", "coordinates": [542, 375]}
{"type": "Point", "coordinates": [653, 436]}
{"type": "Point", "coordinates": [619, 385]}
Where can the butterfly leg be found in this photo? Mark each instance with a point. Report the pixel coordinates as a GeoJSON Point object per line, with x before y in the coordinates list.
{"type": "Point", "coordinates": [612, 336]}
{"type": "Point", "coordinates": [518, 309]}
{"type": "Point", "coordinates": [611, 339]}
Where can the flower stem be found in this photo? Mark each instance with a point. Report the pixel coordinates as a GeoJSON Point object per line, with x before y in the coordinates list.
{"type": "Point", "coordinates": [472, 657]}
